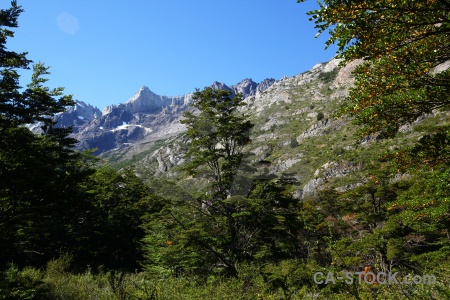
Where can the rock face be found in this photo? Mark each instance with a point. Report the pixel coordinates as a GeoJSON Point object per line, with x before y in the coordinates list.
{"type": "Point", "coordinates": [145, 101]}
{"type": "Point", "coordinates": [246, 87]}
{"type": "Point", "coordinates": [278, 148]}
{"type": "Point", "coordinates": [144, 117]}
{"type": "Point", "coordinates": [78, 116]}
{"type": "Point", "coordinates": [294, 136]}
{"type": "Point", "coordinates": [294, 129]}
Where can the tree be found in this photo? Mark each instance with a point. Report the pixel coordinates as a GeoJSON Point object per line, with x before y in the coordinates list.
{"type": "Point", "coordinates": [188, 238]}
{"type": "Point", "coordinates": [218, 135]}
{"type": "Point", "coordinates": [222, 228]}
{"type": "Point", "coordinates": [403, 45]}
{"type": "Point", "coordinates": [42, 203]}
{"type": "Point", "coordinates": [205, 234]}
{"type": "Point", "coordinates": [121, 202]}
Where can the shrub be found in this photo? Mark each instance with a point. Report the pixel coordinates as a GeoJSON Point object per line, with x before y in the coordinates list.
{"type": "Point", "coordinates": [320, 116]}
{"type": "Point", "coordinates": [293, 143]}
{"type": "Point", "coordinates": [24, 284]}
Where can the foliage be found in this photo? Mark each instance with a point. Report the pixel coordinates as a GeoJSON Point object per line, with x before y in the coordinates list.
{"type": "Point", "coordinates": [52, 199]}
{"type": "Point", "coordinates": [393, 225]}
{"type": "Point", "coordinates": [401, 43]}
{"type": "Point", "coordinates": [22, 284]}
{"type": "Point", "coordinates": [191, 237]}
{"type": "Point", "coordinates": [288, 280]}
{"type": "Point", "coordinates": [320, 116]}
{"type": "Point", "coordinates": [224, 241]}
{"type": "Point", "coordinates": [40, 197]}
{"type": "Point", "coordinates": [329, 76]}
{"type": "Point", "coordinates": [424, 213]}
{"type": "Point", "coordinates": [432, 149]}
{"type": "Point", "coordinates": [120, 203]}
{"type": "Point", "coordinates": [218, 135]}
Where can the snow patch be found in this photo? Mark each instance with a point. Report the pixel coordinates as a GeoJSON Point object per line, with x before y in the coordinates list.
{"type": "Point", "coordinates": [125, 126]}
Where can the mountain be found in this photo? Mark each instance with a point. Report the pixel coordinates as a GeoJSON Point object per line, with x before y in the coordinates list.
{"type": "Point", "coordinates": [78, 116]}
{"type": "Point", "coordinates": [295, 135]}
{"type": "Point", "coordinates": [246, 87]}
{"type": "Point", "coordinates": [144, 117]}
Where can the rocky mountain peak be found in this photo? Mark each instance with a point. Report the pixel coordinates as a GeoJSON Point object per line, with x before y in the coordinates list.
{"type": "Point", "coordinates": [246, 87]}
{"type": "Point", "coordinates": [77, 116]}
{"type": "Point", "coordinates": [145, 101]}
{"type": "Point", "coordinates": [144, 92]}
{"type": "Point", "coordinates": [265, 84]}
{"type": "Point", "coordinates": [220, 86]}
{"type": "Point", "coordinates": [85, 111]}
{"type": "Point", "coordinates": [145, 116]}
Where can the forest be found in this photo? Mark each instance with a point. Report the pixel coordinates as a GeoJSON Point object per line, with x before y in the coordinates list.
{"type": "Point", "coordinates": [73, 226]}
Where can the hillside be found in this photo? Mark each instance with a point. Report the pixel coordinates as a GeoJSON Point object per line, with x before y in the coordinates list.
{"type": "Point", "coordinates": [295, 136]}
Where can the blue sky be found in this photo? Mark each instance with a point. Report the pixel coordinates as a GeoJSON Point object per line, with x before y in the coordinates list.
{"type": "Point", "coordinates": [103, 51]}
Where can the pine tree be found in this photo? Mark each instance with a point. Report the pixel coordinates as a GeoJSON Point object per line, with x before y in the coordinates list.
{"type": "Point", "coordinates": [41, 202]}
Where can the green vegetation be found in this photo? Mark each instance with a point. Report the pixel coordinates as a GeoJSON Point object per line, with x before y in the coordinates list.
{"type": "Point", "coordinates": [224, 227]}
{"type": "Point", "coordinates": [320, 116]}
{"type": "Point", "coordinates": [40, 174]}
{"type": "Point", "coordinates": [328, 77]}
{"type": "Point", "coordinates": [53, 199]}
{"type": "Point", "coordinates": [401, 43]}
{"type": "Point", "coordinates": [218, 135]}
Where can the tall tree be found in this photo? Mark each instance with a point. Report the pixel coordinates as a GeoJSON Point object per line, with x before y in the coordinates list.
{"type": "Point", "coordinates": [189, 237]}
{"type": "Point", "coordinates": [218, 131]}
{"type": "Point", "coordinates": [41, 202]}
{"type": "Point", "coordinates": [221, 228]}
{"type": "Point", "coordinates": [404, 51]}
{"type": "Point", "coordinates": [218, 134]}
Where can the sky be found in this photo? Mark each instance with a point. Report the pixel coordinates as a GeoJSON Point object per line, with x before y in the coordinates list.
{"type": "Point", "coordinates": [103, 51]}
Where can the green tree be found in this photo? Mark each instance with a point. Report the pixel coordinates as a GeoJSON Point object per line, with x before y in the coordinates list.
{"type": "Point", "coordinates": [402, 75]}
{"type": "Point", "coordinates": [218, 134]}
{"type": "Point", "coordinates": [41, 203]}
{"type": "Point", "coordinates": [120, 204]}
{"type": "Point", "coordinates": [401, 43]}
{"type": "Point", "coordinates": [188, 237]}
{"type": "Point", "coordinates": [222, 227]}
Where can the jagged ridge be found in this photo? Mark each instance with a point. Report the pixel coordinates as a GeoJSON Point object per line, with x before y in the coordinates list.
{"type": "Point", "coordinates": [144, 117]}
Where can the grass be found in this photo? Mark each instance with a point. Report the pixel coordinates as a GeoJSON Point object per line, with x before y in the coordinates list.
{"type": "Point", "coordinates": [57, 282]}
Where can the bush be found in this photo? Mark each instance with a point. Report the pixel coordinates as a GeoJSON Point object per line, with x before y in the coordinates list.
{"type": "Point", "coordinates": [24, 284]}
{"type": "Point", "coordinates": [320, 116]}
{"type": "Point", "coordinates": [293, 143]}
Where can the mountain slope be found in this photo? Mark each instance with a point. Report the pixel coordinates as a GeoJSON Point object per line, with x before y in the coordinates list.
{"type": "Point", "coordinates": [295, 136]}
{"type": "Point", "coordinates": [143, 118]}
